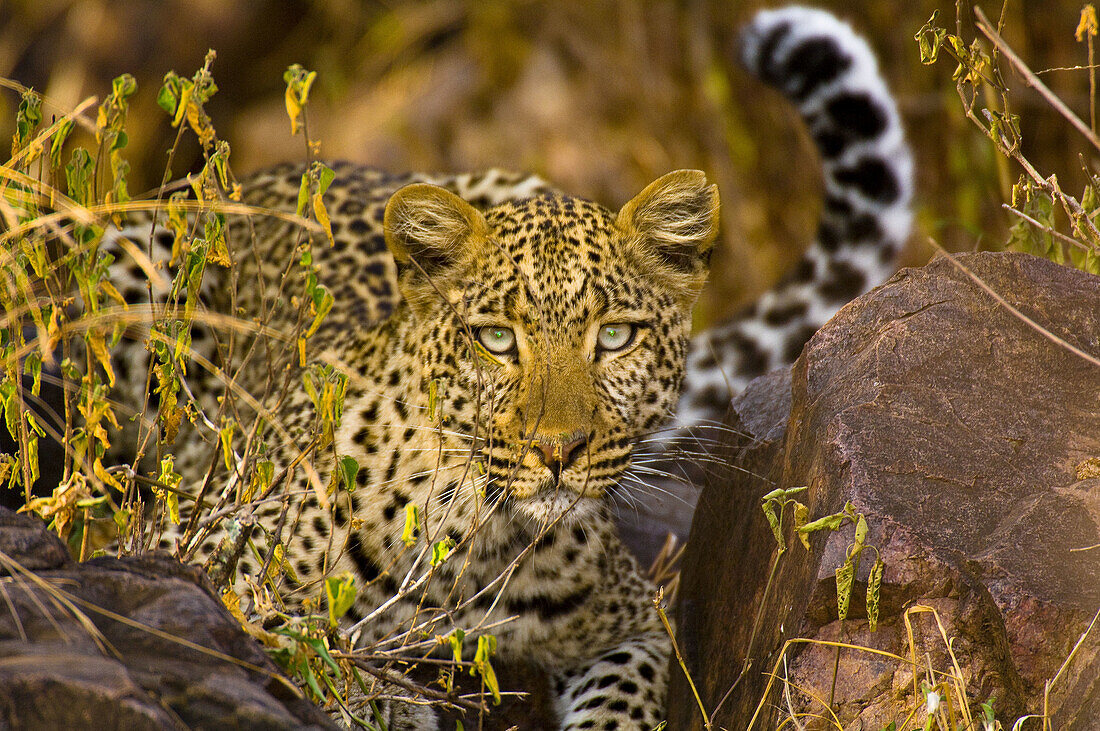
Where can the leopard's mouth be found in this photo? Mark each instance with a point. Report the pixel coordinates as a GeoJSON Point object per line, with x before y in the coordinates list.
{"type": "Point", "coordinates": [527, 486]}
{"type": "Point", "coordinates": [556, 506]}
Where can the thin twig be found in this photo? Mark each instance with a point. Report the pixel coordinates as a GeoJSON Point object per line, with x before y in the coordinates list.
{"type": "Point", "coordinates": [657, 600]}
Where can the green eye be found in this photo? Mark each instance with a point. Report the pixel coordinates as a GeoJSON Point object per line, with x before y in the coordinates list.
{"type": "Point", "coordinates": [496, 339]}
{"type": "Point", "coordinates": [615, 336]}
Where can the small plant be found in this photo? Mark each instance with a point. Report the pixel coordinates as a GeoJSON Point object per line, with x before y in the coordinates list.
{"type": "Point", "coordinates": [1037, 199]}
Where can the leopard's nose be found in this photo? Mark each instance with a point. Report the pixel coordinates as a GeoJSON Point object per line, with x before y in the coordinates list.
{"type": "Point", "coordinates": [557, 455]}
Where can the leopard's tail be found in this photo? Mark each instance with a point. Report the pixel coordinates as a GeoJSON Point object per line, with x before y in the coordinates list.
{"type": "Point", "coordinates": [830, 74]}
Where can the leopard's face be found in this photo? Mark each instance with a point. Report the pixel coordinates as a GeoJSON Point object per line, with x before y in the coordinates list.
{"type": "Point", "coordinates": [553, 330]}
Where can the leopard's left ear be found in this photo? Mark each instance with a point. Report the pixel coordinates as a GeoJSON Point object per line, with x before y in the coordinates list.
{"type": "Point", "coordinates": [675, 219]}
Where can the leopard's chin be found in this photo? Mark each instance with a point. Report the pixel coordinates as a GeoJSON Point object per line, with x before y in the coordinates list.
{"type": "Point", "coordinates": [562, 507]}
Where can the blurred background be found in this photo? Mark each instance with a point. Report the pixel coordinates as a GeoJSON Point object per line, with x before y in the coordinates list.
{"type": "Point", "coordinates": [598, 96]}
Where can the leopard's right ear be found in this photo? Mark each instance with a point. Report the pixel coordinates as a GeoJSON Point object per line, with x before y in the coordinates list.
{"type": "Point", "coordinates": [673, 224]}
{"type": "Point", "coordinates": [430, 227]}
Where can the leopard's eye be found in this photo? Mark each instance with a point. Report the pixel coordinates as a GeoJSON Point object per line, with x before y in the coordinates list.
{"type": "Point", "coordinates": [615, 336]}
{"type": "Point", "coordinates": [499, 340]}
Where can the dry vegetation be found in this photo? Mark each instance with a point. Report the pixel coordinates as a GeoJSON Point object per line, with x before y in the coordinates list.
{"type": "Point", "coordinates": [598, 97]}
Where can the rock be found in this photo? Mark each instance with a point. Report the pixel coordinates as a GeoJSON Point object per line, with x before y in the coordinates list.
{"type": "Point", "coordinates": [134, 643]}
{"type": "Point", "coordinates": [957, 430]}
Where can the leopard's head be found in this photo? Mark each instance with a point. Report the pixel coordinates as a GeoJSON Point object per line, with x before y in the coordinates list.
{"type": "Point", "coordinates": [554, 329]}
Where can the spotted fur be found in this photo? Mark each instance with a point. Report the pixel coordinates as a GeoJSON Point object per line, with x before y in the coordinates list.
{"type": "Point", "coordinates": [506, 347]}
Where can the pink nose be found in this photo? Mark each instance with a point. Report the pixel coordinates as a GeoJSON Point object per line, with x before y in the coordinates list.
{"type": "Point", "coordinates": [557, 455]}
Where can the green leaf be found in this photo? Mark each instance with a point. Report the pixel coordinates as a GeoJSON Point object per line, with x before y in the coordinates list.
{"type": "Point", "coordinates": [325, 174]}
{"type": "Point", "coordinates": [929, 39]}
{"type": "Point", "coordinates": [79, 176]}
{"type": "Point", "coordinates": [441, 550]}
{"type": "Point", "coordinates": [1031, 239]}
{"type": "Point", "coordinates": [456, 639]}
{"type": "Point", "coordinates": [322, 303]}
{"type": "Point", "coordinates": [33, 367]}
{"type": "Point", "coordinates": [122, 520]}
{"type": "Point", "coordinates": [11, 409]}
{"type": "Point", "coordinates": [261, 478]}
{"type": "Point", "coordinates": [307, 673]}
{"type": "Point", "coordinates": [829, 522]}
{"type": "Point", "coordinates": [303, 195]}
{"type": "Point", "coordinates": [844, 577]}
{"type": "Point", "coordinates": [27, 118]}
{"type": "Point", "coordinates": [773, 521]}
{"type": "Point", "coordinates": [861, 533]}
{"type": "Point", "coordinates": [348, 469]}
{"type": "Point", "coordinates": [168, 98]}
{"type": "Point", "coordinates": [340, 592]}
{"type": "Point", "coordinates": [874, 586]}
{"type": "Point", "coordinates": [781, 494]}
{"type": "Point", "coordinates": [123, 87]}
{"type": "Point", "coordinates": [486, 648]}
{"type": "Point", "coordinates": [64, 129]}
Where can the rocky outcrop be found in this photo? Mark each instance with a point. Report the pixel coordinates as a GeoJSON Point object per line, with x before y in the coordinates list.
{"type": "Point", "coordinates": [963, 434]}
{"type": "Point", "coordinates": [137, 643]}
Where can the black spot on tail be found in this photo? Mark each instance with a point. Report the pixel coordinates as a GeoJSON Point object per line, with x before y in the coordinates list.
{"type": "Point", "coordinates": [854, 230]}
{"type": "Point", "coordinates": [802, 273]}
{"type": "Point", "coordinates": [872, 178]}
{"type": "Point", "coordinates": [780, 315]}
{"type": "Point", "coordinates": [811, 65]}
{"type": "Point", "coordinates": [847, 118]}
{"type": "Point", "coordinates": [843, 281]}
{"type": "Point", "coordinates": [713, 397]}
{"type": "Point", "coordinates": [754, 361]}
{"type": "Point", "coordinates": [763, 64]}
{"type": "Point", "coordinates": [857, 114]}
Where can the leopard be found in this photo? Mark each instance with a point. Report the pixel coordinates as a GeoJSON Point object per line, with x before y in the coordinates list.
{"type": "Point", "coordinates": [502, 349]}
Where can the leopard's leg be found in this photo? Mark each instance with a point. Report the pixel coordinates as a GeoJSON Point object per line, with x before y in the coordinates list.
{"type": "Point", "coordinates": [624, 688]}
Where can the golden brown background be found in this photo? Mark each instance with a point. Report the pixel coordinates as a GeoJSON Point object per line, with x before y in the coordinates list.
{"type": "Point", "coordinates": [599, 96]}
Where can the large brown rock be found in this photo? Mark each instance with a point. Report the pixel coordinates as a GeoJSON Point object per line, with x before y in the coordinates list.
{"type": "Point", "coordinates": [957, 429]}
{"type": "Point", "coordinates": [137, 643]}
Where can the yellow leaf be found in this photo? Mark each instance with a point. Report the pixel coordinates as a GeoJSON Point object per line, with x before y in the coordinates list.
{"type": "Point", "coordinates": [53, 335]}
{"type": "Point", "coordinates": [293, 110]}
{"type": "Point", "coordinates": [219, 252]}
{"type": "Point", "coordinates": [102, 474]}
{"type": "Point", "coordinates": [284, 563]}
{"type": "Point", "coordinates": [1088, 24]}
{"type": "Point", "coordinates": [113, 293]}
{"type": "Point", "coordinates": [173, 502]}
{"type": "Point", "coordinates": [232, 602]}
{"type": "Point", "coordinates": [226, 438]}
{"type": "Point", "coordinates": [99, 349]}
{"type": "Point", "coordinates": [171, 422]}
{"type": "Point", "coordinates": [200, 123]}
{"type": "Point", "coordinates": [185, 100]}
{"type": "Point", "coordinates": [321, 214]}
{"type": "Point", "coordinates": [412, 524]}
